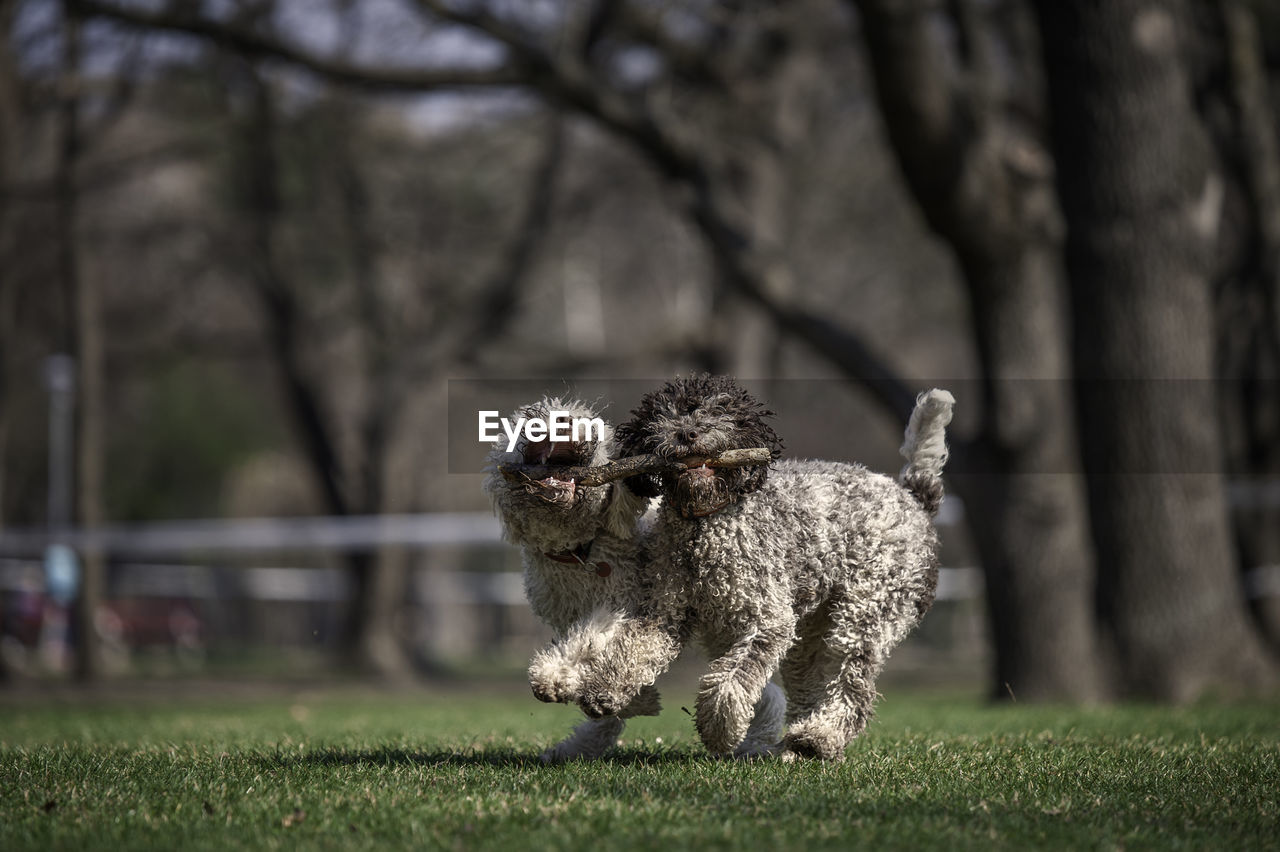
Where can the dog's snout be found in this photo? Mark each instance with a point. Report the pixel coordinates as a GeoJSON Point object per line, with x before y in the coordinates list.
{"type": "Point", "coordinates": [688, 436]}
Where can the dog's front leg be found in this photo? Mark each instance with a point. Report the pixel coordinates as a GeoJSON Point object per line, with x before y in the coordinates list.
{"type": "Point", "coordinates": [556, 672]}
{"type": "Point", "coordinates": [635, 654]}
{"type": "Point", "coordinates": [729, 691]}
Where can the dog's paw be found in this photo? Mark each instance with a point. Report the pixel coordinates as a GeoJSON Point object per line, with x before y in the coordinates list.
{"type": "Point", "coordinates": [722, 718]}
{"type": "Point", "coordinates": [548, 693]}
{"type": "Point", "coordinates": [553, 683]}
{"type": "Point", "coordinates": [812, 745]}
{"type": "Point", "coordinates": [753, 749]}
{"type": "Point", "coordinates": [598, 703]}
{"type": "Point", "coordinates": [562, 753]}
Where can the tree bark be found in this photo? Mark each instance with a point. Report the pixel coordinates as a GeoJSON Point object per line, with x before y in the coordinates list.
{"type": "Point", "coordinates": [378, 578]}
{"type": "Point", "coordinates": [1247, 296]}
{"type": "Point", "coordinates": [983, 186]}
{"type": "Point", "coordinates": [6, 331]}
{"type": "Point", "coordinates": [10, 106]}
{"type": "Point", "coordinates": [1027, 502]}
{"type": "Point", "coordinates": [364, 643]}
{"type": "Point", "coordinates": [84, 341]}
{"type": "Point", "coordinates": [1141, 201]}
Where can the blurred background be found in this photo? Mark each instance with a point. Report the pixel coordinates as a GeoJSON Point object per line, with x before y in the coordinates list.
{"type": "Point", "coordinates": [262, 260]}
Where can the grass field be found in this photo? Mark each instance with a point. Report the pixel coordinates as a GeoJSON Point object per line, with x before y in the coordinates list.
{"type": "Point", "coordinates": [460, 771]}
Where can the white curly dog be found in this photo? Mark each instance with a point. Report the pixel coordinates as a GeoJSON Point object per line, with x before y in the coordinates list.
{"type": "Point", "coordinates": [584, 548]}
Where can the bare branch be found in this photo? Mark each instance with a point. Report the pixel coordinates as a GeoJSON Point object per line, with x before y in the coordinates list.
{"type": "Point", "coordinates": [921, 106]}
{"type": "Point", "coordinates": [256, 45]}
{"type": "Point", "coordinates": [633, 466]}
{"type": "Point", "coordinates": [497, 304]}
{"type": "Point", "coordinates": [279, 301]}
{"type": "Point", "coordinates": [109, 174]}
{"type": "Point", "coordinates": [565, 79]}
{"type": "Point", "coordinates": [977, 53]}
{"type": "Point", "coordinates": [692, 63]}
{"type": "Point", "coordinates": [748, 272]}
{"type": "Point", "coordinates": [1249, 90]}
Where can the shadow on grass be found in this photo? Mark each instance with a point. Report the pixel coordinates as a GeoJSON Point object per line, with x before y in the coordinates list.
{"type": "Point", "coordinates": [503, 757]}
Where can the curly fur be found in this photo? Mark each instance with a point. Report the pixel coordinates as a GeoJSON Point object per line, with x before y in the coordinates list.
{"type": "Point", "coordinates": [816, 569]}
{"type": "Point", "coordinates": [700, 411]}
{"type": "Point", "coordinates": [603, 524]}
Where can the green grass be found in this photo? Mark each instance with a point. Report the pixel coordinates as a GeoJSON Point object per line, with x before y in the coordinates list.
{"type": "Point", "coordinates": [460, 771]}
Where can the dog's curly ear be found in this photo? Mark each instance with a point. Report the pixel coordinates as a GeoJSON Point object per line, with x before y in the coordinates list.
{"type": "Point", "coordinates": [755, 432]}
{"type": "Point", "coordinates": [754, 478]}
{"type": "Point", "coordinates": [764, 435]}
{"type": "Point", "coordinates": [630, 440]}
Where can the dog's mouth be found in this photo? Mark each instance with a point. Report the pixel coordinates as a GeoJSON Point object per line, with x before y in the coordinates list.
{"type": "Point", "coordinates": [699, 491]}
{"type": "Point", "coordinates": [693, 461]}
{"type": "Point", "coordinates": [550, 489]}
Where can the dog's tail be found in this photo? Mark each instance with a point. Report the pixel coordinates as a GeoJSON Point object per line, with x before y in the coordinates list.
{"type": "Point", "coordinates": [925, 448]}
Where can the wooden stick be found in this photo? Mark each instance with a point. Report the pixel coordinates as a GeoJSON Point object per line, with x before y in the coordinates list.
{"type": "Point", "coordinates": [633, 466]}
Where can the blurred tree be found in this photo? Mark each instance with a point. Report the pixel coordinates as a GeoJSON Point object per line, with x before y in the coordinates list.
{"type": "Point", "coordinates": [190, 422]}
{"type": "Point", "coordinates": [1237, 102]}
{"type": "Point", "coordinates": [82, 339]}
{"type": "Point", "coordinates": [968, 142]}
{"type": "Point", "coordinates": [391, 355]}
{"type": "Point", "coordinates": [718, 98]}
{"type": "Point", "coordinates": [10, 109]}
{"type": "Point", "coordinates": [983, 186]}
{"type": "Point", "coordinates": [1142, 200]}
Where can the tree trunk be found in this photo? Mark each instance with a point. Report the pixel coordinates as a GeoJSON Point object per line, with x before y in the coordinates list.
{"type": "Point", "coordinates": [367, 642]}
{"type": "Point", "coordinates": [983, 187]}
{"type": "Point", "coordinates": [370, 639]}
{"type": "Point", "coordinates": [7, 296]}
{"type": "Point", "coordinates": [6, 330]}
{"type": "Point", "coordinates": [10, 107]}
{"type": "Point", "coordinates": [1247, 295]}
{"type": "Point", "coordinates": [84, 341]}
{"type": "Point", "coordinates": [1025, 502]}
{"type": "Point", "coordinates": [371, 644]}
{"type": "Point", "coordinates": [1142, 208]}
{"type": "Point", "coordinates": [90, 452]}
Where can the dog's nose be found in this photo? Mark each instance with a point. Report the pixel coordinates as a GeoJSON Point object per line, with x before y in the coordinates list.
{"type": "Point", "coordinates": [688, 436]}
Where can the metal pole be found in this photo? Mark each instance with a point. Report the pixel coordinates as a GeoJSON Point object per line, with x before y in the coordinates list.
{"type": "Point", "coordinates": [61, 567]}
{"type": "Point", "coordinates": [60, 379]}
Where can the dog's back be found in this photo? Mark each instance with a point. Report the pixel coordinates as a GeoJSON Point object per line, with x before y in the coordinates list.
{"type": "Point", "coordinates": [815, 528]}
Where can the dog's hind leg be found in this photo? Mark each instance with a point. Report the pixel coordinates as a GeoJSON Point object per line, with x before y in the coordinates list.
{"type": "Point", "coordinates": [766, 728]}
{"type": "Point", "coordinates": [589, 740]}
{"type": "Point", "coordinates": [856, 648]}
{"type": "Point", "coordinates": [806, 669]}
{"type": "Point", "coordinates": [831, 725]}
{"type": "Point", "coordinates": [729, 691]}
{"type": "Point", "coordinates": [592, 738]}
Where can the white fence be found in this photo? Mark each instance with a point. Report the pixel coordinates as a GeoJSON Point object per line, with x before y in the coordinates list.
{"type": "Point", "coordinates": [133, 549]}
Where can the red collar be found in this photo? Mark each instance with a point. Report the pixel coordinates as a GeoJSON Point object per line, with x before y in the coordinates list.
{"type": "Point", "coordinates": [578, 556]}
